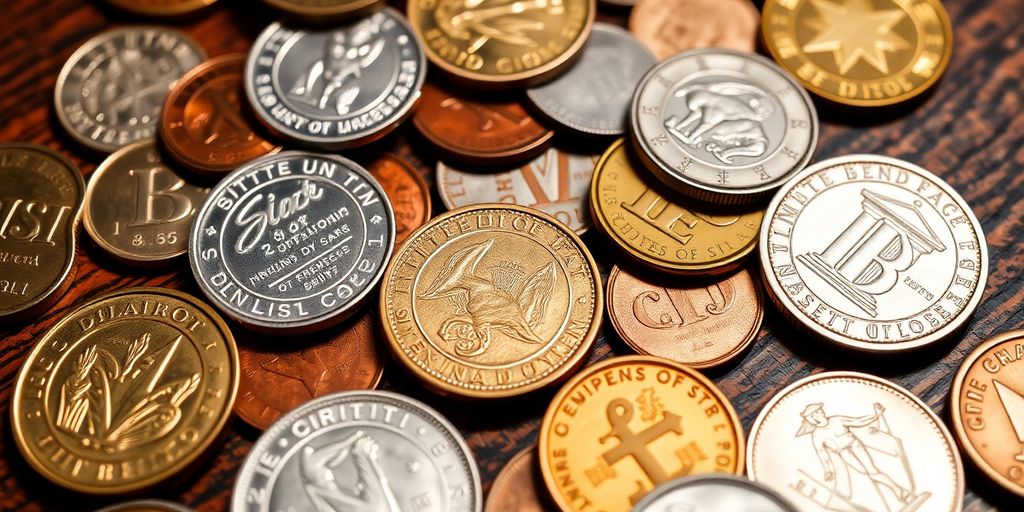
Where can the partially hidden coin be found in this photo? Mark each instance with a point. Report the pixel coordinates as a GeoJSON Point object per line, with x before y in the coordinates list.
{"type": "Point", "coordinates": [319, 10]}
{"type": "Point", "coordinates": [292, 242]}
{"type": "Point", "coordinates": [723, 126]}
{"type": "Point", "coordinates": [41, 195]}
{"type": "Point", "coordinates": [146, 506]}
{"type": "Point", "coordinates": [665, 232]}
{"type": "Point", "coordinates": [491, 301]}
{"type": "Point", "coordinates": [161, 7]}
{"type": "Point", "coordinates": [852, 441]}
{"type": "Point", "coordinates": [336, 88]}
{"type": "Point", "coordinates": [519, 487]}
{"type": "Point", "coordinates": [628, 424]}
{"type": "Point", "coordinates": [408, 192]}
{"type": "Point", "coordinates": [873, 253]}
{"type": "Point", "coordinates": [126, 391]}
{"type": "Point", "coordinates": [374, 449]}
{"type": "Point", "coordinates": [111, 90]}
{"type": "Point", "coordinates": [669, 27]}
{"type": "Point", "coordinates": [713, 493]}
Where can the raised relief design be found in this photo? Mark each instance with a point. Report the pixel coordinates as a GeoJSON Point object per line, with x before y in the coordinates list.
{"type": "Point", "coordinates": [371, 491]}
{"type": "Point", "coordinates": [671, 219]}
{"type": "Point", "coordinates": [483, 20]}
{"type": "Point", "coordinates": [854, 31]}
{"type": "Point", "coordinates": [725, 119]}
{"type": "Point", "coordinates": [332, 83]}
{"type": "Point", "coordinates": [129, 87]}
{"type": "Point", "coordinates": [222, 126]}
{"type": "Point", "coordinates": [719, 298]}
{"type": "Point", "coordinates": [1013, 406]}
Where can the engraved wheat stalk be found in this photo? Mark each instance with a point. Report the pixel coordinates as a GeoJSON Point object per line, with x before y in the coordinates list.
{"type": "Point", "coordinates": [74, 404]}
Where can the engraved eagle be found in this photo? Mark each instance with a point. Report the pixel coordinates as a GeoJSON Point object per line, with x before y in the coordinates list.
{"type": "Point", "coordinates": [483, 20]}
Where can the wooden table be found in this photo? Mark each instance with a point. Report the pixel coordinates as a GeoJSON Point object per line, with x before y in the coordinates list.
{"type": "Point", "coordinates": [970, 132]}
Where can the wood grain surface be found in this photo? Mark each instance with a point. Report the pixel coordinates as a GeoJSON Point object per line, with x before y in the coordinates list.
{"type": "Point", "coordinates": [970, 132]}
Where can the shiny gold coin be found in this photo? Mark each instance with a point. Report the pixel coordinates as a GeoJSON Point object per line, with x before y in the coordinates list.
{"type": "Point", "coordinates": [502, 43]}
{"type": "Point", "coordinates": [161, 7]}
{"type": "Point", "coordinates": [126, 391]}
{"type": "Point", "coordinates": [663, 231]}
{"type": "Point", "coordinates": [320, 8]}
{"type": "Point", "coordinates": [865, 53]}
{"type": "Point", "coordinates": [627, 424]}
{"type": "Point", "coordinates": [491, 301]}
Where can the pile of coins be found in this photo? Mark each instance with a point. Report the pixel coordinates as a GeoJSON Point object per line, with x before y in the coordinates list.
{"type": "Point", "coordinates": [691, 157]}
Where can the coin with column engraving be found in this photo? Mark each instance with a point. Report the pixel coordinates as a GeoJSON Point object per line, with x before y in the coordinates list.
{"type": "Point", "coordinates": [146, 506]}
{"type": "Point", "coordinates": [669, 27]}
{"type": "Point", "coordinates": [336, 88]}
{"type": "Point", "coordinates": [111, 90]}
{"type": "Point", "coordinates": [161, 7]}
{"type": "Point", "coordinates": [873, 253]}
{"type": "Point", "coordinates": [713, 493]}
{"type": "Point", "coordinates": [408, 192]}
{"type": "Point", "coordinates": [852, 441]}
{"type": "Point", "coordinates": [319, 10]}
{"type": "Point", "coordinates": [292, 242]}
{"type": "Point", "coordinates": [360, 450]}
{"type": "Point", "coordinates": [628, 424]}
{"type": "Point", "coordinates": [126, 391]}
{"type": "Point", "coordinates": [519, 487]}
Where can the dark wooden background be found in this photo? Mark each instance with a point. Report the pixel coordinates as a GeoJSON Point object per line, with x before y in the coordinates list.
{"type": "Point", "coordinates": [970, 132]}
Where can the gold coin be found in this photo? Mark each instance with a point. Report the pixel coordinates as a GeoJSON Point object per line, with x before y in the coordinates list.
{"type": "Point", "coordinates": [491, 301]}
{"type": "Point", "coordinates": [161, 7]}
{"type": "Point", "coordinates": [860, 52]}
{"type": "Point", "coordinates": [627, 424]}
{"type": "Point", "coordinates": [126, 391]}
{"type": "Point", "coordinates": [320, 8]}
{"type": "Point", "coordinates": [663, 231]}
{"type": "Point", "coordinates": [503, 43]}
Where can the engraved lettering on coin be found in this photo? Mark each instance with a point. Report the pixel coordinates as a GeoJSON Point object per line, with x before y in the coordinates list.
{"type": "Point", "coordinates": [713, 493]}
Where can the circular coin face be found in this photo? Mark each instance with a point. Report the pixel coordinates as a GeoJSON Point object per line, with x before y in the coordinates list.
{"type": "Point", "coordinates": [853, 441]}
{"type": "Point", "coordinates": [161, 7]}
{"type": "Point", "coordinates": [292, 242]}
{"type": "Point", "coordinates": [628, 424]}
{"type": "Point", "coordinates": [408, 192]}
{"type": "Point", "coordinates": [713, 493]}
{"type": "Point", "coordinates": [393, 452]}
{"type": "Point", "coordinates": [333, 89]}
{"type": "Point", "coordinates": [492, 301]}
{"type": "Point", "coordinates": [110, 92]}
{"type": "Point", "coordinates": [669, 27]}
{"type": "Point", "coordinates": [125, 391]}
{"type": "Point", "coordinates": [519, 488]}
{"type": "Point", "coordinates": [873, 253]}
{"type": "Point", "coordinates": [723, 126]}
{"type": "Point", "coordinates": [146, 506]}
{"type": "Point", "coordinates": [318, 9]}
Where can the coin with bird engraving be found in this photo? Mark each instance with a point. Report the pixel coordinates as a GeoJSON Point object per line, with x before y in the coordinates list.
{"type": "Point", "coordinates": [713, 493]}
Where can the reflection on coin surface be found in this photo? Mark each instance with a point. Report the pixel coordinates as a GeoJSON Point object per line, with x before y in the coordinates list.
{"type": "Point", "coordinates": [713, 493]}
{"type": "Point", "coordinates": [699, 324]}
{"type": "Point", "coordinates": [408, 192]}
{"type": "Point", "coordinates": [318, 9]}
{"type": "Point", "coordinates": [125, 391]}
{"type": "Point", "coordinates": [292, 242]}
{"type": "Point", "coordinates": [41, 194]}
{"type": "Point", "coordinates": [161, 7]}
{"type": "Point", "coordinates": [628, 424]}
{"type": "Point", "coordinates": [593, 97]}
{"type": "Point", "coordinates": [852, 441]}
{"type": "Point", "coordinates": [110, 92]}
{"type": "Point", "coordinates": [146, 506]}
{"type": "Point", "coordinates": [873, 253]}
{"type": "Point", "coordinates": [491, 301]}
{"type": "Point", "coordinates": [988, 409]}
{"type": "Point", "coordinates": [363, 450]}
{"type": "Point", "coordinates": [519, 488]}
{"type": "Point", "coordinates": [723, 126]}
{"type": "Point", "coordinates": [332, 89]}
{"type": "Point", "coordinates": [138, 209]}
{"type": "Point", "coordinates": [669, 27]}
{"type": "Point", "coordinates": [859, 52]}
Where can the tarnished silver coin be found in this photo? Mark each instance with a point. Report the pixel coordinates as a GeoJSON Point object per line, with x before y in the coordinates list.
{"type": "Point", "coordinates": [593, 97]}
{"type": "Point", "coordinates": [359, 450]}
{"type": "Point", "coordinates": [292, 242]}
{"type": "Point", "coordinates": [713, 493]}
{"type": "Point", "coordinates": [337, 88]}
{"type": "Point", "coordinates": [723, 126]}
{"type": "Point", "coordinates": [873, 253]}
{"type": "Point", "coordinates": [112, 89]}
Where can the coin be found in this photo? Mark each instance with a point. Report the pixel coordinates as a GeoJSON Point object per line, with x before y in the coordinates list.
{"type": "Point", "coordinates": [126, 391]}
{"type": "Point", "coordinates": [713, 493]}
{"type": "Point", "coordinates": [371, 449]}
{"type": "Point", "coordinates": [852, 441]}
{"type": "Point", "coordinates": [723, 126]}
{"type": "Point", "coordinates": [338, 88]}
{"type": "Point", "coordinates": [669, 27]}
{"type": "Point", "coordinates": [628, 424]}
{"type": "Point", "coordinates": [518, 488]}
{"type": "Point", "coordinates": [662, 232]}
{"type": "Point", "coordinates": [318, 10]}
{"type": "Point", "coordinates": [555, 183]}
{"type": "Point", "coordinates": [502, 44]}
{"type": "Point", "coordinates": [491, 301]}
{"type": "Point", "coordinates": [408, 192]}
{"type": "Point", "coordinates": [700, 324]}
{"type": "Point", "coordinates": [593, 97]}
{"type": "Point", "coordinates": [873, 253]}
{"type": "Point", "coordinates": [860, 53]}
{"type": "Point", "coordinates": [161, 7]}
{"type": "Point", "coordinates": [292, 242]}
{"type": "Point", "coordinates": [987, 404]}
{"type": "Point", "coordinates": [41, 194]}
{"type": "Point", "coordinates": [110, 92]}
{"type": "Point", "coordinates": [204, 126]}
{"type": "Point", "coordinates": [146, 506]}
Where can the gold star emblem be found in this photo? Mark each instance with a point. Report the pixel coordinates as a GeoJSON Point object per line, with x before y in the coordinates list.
{"type": "Point", "coordinates": [853, 30]}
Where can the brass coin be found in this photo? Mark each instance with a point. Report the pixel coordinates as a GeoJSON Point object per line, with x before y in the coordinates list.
{"type": "Point", "coordinates": [315, 9]}
{"type": "Point", "coordinates": [627, 424]}
{"type": "Point", "coordinates": [491, 301]}
{"type": "Point", "coordinates": [126, 391]}
{"type": "Point", "coordinates": [519, 487]}
{"type": "Point", "coordinates": [161, 7]}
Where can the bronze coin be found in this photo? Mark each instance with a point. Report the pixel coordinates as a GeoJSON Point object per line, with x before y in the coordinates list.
{"type": "Point", "coordinates": [669, 27]}
{"type": "Point", "coordinates": [408, 192]}
{"type": "Point", "coordinates": [519, 487]}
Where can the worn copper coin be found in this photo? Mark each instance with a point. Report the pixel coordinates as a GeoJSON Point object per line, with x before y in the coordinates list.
{"type": "Point", "coordinates": [319, 10]}
{"type": "Point", "coordinates": [161, 7]}
{"type": "Point", "coordinates": [519, 487]}
{"type": "Point", "coordinates": [408, 192]}
{"type": "Point", "coordinates": [669, 27]}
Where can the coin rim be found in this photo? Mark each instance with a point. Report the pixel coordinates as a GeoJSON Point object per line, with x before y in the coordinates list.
{"type": "Point", "coordinates": [161, 8]}
{"type": "Point", "coordinates": [343, 8]}
{"type": "Point", "coordinates": [506, 470]}
{"type": "Point", "coordinates": [697, 480]}
{"type": "Point", "coordinates": [146, 505]}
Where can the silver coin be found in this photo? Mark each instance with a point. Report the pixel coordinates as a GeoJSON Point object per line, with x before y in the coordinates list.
{"type": "Point", "coordinates": [723, 126]}
{"type": "Point", "coordinates": [713, 493]}
{"type": "Point", "coordinates": [593, 97]}
{"type": "Point", "coordinates": [146, 506]}
{"type": "Point", "coordinates": [338, 88]}
{"type": "Point", "coordinates": [294, 241]}
{"type": "Point", "coordinates": [112, 89]}
{"type": "Point", "coordinates": [359, 450]}
{"type": "Point", "coordinates": [873, 253]}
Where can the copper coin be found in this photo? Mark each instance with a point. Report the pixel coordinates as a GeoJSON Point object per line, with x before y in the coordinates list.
{"type": "Point", "coordinates": [669, 27]}
{"type": "Point", "coordinates": [478, 131]}
{"type": "Point", "coordinates": [519, 487]}
{"type": "Point", "coordinates": [408, 192]}
{"type": "Point", "coordinates": [701, 324]}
